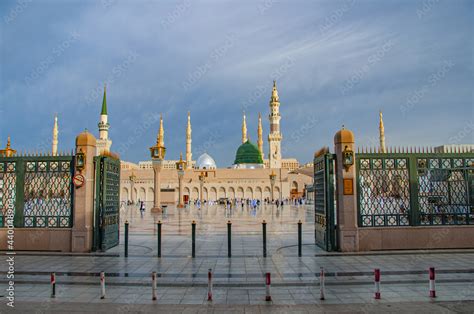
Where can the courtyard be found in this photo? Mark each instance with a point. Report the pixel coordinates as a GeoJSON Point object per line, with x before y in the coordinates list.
{"type": "Point", "coordinates": [239, 280]}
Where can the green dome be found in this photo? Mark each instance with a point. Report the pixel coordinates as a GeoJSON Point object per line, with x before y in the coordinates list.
{"type": "Point", "coordinates": [248, 153]}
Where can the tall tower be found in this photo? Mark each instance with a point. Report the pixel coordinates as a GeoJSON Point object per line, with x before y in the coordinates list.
{"type": "Point", "coordinates": [54, 149]}
{"type": "Point", "coordinates": [189, 154]}
{"type": "Point", "coordinates": [244, 129]}
{"type": "Point", "coordinates": [275, 137]}
{"type": "Point", "coordinates": [103, 143]}
{"type": "Point", "coordinates": [160, 140]}
{"type": "Point", "coordinates": [260, 135]}
{"type": "Point", "coordinates": [381, 134]}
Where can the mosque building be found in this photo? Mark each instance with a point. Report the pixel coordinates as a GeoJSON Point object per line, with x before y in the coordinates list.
{"type": "Point", "coordinates": [251, 176]}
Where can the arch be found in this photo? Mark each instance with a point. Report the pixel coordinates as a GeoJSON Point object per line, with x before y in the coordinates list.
{"type": "Point", "coordinates": [258, 193]}
{"type": "Point", "coordinates": [294, 186]}
{"type": "Point", "coordinates": [222, 193]}
{"type": "Point", "coordinates": [135, 194]}
{"type": "Point", "coordinates": [276, 192]}
{"type": "Point", "coordinates": [231, 193]}
{"type": "Point", "coordinates": [150, 195]}
{"type": "Point", "coordinates": [195, 193]}
{"type": "Point", "coordinates": [267, 193]}
{"type": "Point", "coordinates": [205, 194]}
{"type": "Point", "coordinates": [124, 196]}
{"type": "Point", "coordinates": [142, 194]}
{"type": "Point", "coordinates": [186, 191]}
{"type": "Point", "coordinates": [240, 192]}
{"type": "Point", "coordinates": [248, 193]}
{"type": "Point", "coordinates": [213, 194]}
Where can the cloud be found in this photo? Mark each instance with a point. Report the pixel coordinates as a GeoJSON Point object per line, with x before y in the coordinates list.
{"type": "Point", "coordinates": [314, 48]}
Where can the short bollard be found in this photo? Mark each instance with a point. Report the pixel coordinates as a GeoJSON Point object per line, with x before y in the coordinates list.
{"type": "Point", "coordinates": [193, 239]}
{"type": "Point", "coordinates": [126, 238]}
{"type": "Point", "coordinates": [432, 283]}
{"type": "Point", "coordinates": [321, 284]}
{"type": "Point", "coordinates": [377, 283]}
{"type": "Point", "coordinates": [229, 239]}
{"type": "Point", "coordinates": [153, 286]}
{"type": "Point", "coordinates": [102, 285]}
{"type": "Point", "coordinates": [159, 237]}
{"type": "Point", "coordinates": [300, 237]}
{"type": "Point", "coordinates": [268, 296]}
{"type": "Point", "coordinates": [264, 231]}
{"type": "Point", "coordinates": [209, 285]}
{"type": "Point", "coordinates": [53, 285]}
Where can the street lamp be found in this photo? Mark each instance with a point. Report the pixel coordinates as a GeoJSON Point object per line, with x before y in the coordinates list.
{"type": "Point", "coordinates": [157, 153]}
{"type": "Point", "coordinates": [180, 166]}
{"type": "Point", "coordinates": [132, 179]}
{"type": "Point", "coordinates": [272, 182]}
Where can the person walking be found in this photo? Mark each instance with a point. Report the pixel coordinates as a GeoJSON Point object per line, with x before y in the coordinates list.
{"type": "Point", "coordinates": [142, 208]}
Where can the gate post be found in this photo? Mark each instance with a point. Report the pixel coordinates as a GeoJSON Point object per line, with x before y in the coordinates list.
{"type": "Point", "coordinates": [346, 192]}
{"type": "Point", "coordinates": [83, 210]}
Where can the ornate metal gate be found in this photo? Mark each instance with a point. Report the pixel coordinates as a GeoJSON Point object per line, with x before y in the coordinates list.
{"type": "Point", "coordinates": [39, 190]}
{"type": "Point", "coordinates": [415, 189]}
{"type": "Point", "coordinates": [107, 203]}
{"type": "Point", "coordinates": [325, 218]}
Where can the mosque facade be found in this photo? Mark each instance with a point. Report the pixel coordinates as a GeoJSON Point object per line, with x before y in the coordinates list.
{"type": "Point", "coordinates": [251, 176]}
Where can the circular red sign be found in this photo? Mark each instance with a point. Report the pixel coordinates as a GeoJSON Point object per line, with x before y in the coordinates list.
{"type": "Point", "coordinates": [78, 180]}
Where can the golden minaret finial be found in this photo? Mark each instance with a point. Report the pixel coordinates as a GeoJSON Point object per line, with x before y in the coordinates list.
{"type": "Point", "coordinates": [8, 151]}
{"type": "Point", "coordinates": [381, 133]}
{"type": "Point", "coordinates": [54, 149]}
{"type": "Point", "coordinates": [275, 97]}
{"type": "Point", "coordinates": [160, 141]}
{"type": "Point", "coordinates": [244, 129]}
{"type": "Point", "coordinates": [260, 134]}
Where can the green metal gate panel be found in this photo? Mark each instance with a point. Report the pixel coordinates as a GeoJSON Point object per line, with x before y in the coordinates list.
{"type": "Point", "coordinates": [40, 190]}
{"type": "Point", "coordinates": [107, 203]}
{"type": "Point", "coordinates": [325, 217]}
{"type": "Point", "coordinates": [415, 189]}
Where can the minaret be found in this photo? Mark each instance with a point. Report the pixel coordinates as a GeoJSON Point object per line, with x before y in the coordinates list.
{"type": "Point", "coordinates": [160, 140]}
{"type": "Point", "coordinates": [260, 135]}
{"type": "Point", "coordinates": [54, 149]}
{"type": "Point", "coordinates": [244, 130]}
{"type": "Point", "coordinates": [381, 134]}
{"type": "Point", "coordinates": [103, 142]}
{"type": "Point", "coordinates": [275, 137]}
{"type": "Point", "coordinates": [189, 154]}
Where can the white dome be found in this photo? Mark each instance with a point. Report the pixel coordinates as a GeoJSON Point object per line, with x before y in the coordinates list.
{"type": "Point", "coordinates": [205, 162]}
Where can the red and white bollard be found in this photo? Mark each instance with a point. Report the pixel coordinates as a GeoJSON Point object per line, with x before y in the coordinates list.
{"type": "Point", "coordinates": [53, 285]}
{"type": "Point", "coordinates": [321, 284]}
{"type": "Point", "coordinates": [377, 283]}
{"type": "Point", "coordinates": [432, 283]}
{"type": "Point", "coordinates": [209, 285]}
{"type": "Point", "coordinates": [153, 286]}
{"type": "Point", "coordinates": [268, 282]}
{"type": "Point", "coordinates": [102, 285]}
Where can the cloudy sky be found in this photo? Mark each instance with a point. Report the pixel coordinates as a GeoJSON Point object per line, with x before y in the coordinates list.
{"type": "Point", "coordinates": [335, 62]}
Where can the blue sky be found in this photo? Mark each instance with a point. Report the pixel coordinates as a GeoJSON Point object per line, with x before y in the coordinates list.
{"type": "Point", "coordinates": [335, 62]}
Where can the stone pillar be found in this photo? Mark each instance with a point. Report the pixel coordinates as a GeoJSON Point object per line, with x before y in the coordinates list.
{"type": "Point", "coordinates": [157, 165]}
{"type": "Point", "coordinates": [346, 192]}
{"type": "Point", "coordinates": [180, 182]}
{"type": "Point", "coordinates": [83, 215]}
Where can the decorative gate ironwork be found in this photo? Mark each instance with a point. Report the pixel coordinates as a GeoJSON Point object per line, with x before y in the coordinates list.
{"type": "Point", "coordinates": [325, 218]}
{"type": "Point", "coordinates": [107, 203]}
{"type": "Point", "coordinates": [40, 189]}
{"type": "Point", "coordinates": [402, 189]}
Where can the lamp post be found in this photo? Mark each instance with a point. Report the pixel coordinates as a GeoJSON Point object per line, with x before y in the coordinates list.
{"type": "Point", "coordinates": [180, 166]}
{"type": "Point", "coordinates": [272, 183]}
{"type": "Point", "coordinates": [132, 178]}
{"type": "Point", "coordinates": [157, 155]}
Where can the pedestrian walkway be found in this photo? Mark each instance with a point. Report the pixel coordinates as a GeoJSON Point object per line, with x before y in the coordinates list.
{"type": "Point", "coordinates": [239, 279]}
